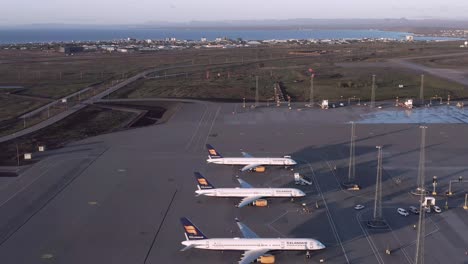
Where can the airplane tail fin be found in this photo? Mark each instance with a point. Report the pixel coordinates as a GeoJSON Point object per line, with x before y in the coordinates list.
{"type": "Point", "coordinates": [212, 153]}
{"type": "Point", "coordinates": [191, 231]}
{"type": "Point", "coordinates": [202, 182]}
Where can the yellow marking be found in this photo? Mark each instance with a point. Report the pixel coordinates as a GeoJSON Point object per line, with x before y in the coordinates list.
{"type": "Point", "coordinates": [191, 230]}
{"type": "Point", "coordinates": [212, 152]}
{"type": "Point", "coordinates": [202, 181]}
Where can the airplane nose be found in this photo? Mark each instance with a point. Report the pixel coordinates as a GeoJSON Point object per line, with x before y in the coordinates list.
{"type": "Point", "coordinates": [322, 246]}
{"type": "Point", "coordinates": [301, 193]}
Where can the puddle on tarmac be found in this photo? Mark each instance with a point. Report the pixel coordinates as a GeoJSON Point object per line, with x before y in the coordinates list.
{"type": "Point", "coordinates": [429, 115]}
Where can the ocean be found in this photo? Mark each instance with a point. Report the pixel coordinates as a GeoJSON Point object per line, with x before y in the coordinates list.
{"type": "Point", "coordinates": [10, 36]}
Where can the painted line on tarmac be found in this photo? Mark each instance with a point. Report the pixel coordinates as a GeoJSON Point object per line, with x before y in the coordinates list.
{"type": "Point", "coordinates": [369, 239]}
{"type": "Point", "coordinates": [29, 184]}
{"type": "Point", "coordinates": [212, 124]}
{"type": "Point", "coordinates": [330, 218]}
{"type": "Point", "coordinates": [196, 130]}
{"type": "Point", "coordinates": [401, 246]}
{"type": "Point", "coordinates": [59, 191]}
{"type": "Point", "coordinates": [160, 226]}
{"type": "Point", "coordinates": [201, 135]}
{"type": "Point", "coordinates": [22, 176]}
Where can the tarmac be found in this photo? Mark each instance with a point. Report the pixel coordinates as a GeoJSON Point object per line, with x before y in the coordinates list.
{"type": "Point", "coordinates": [117, 198]}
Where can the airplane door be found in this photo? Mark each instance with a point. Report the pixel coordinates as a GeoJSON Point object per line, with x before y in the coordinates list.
{"type": "Point", "coordinates": [282, 244]}
{"type": "Point", "coordinates": [207, 244]}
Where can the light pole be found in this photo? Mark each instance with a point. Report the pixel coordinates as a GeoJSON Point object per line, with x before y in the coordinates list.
{"type": "Point", "coordinates": [420, 189]}
{"type": "Point", "coordinates": [377, 220]}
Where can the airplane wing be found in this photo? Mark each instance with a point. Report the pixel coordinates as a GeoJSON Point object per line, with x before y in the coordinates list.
{"type": "Point", "coordinates": [244, 184]}
{"type": "Point", "coordinates": [248, 200]}
{"type": "Point", "coordinates": [251, 255]}
{"type": "Point", "coordinates": [187, 247]}
{"type": "Point", "coordinates": [250, 166]}
{"type": "Point", "coordinates": [246, 231]}
{"type": "Point", "coordinates": [246, 155]}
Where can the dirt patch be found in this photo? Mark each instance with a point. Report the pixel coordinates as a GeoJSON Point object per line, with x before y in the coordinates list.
{"type": "Point", "coordinates": [90, 121]}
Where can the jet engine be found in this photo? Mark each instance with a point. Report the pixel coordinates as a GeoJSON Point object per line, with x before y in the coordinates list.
{"type": "Point", "coordinates": [259, 169]}
{"type": "Point", "coordinates": [260, 203]}
{"type": "Point", "coordinates": [266, 259]}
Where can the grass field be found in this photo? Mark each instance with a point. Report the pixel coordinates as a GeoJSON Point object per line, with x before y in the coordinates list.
{"type": "Point", "coordinates": [14, 106]}
{"type": "Point", "coordinates": [48, 75]}
{"type": "Point", "coordinates": [331, 82]}
{"type": "Point", "coordinates": [88, 122]}
{"type": "Point", "coordinates": [51, 75]}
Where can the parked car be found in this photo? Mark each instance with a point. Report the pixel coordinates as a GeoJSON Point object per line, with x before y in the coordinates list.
{"type": "Point", "coordinates": [402, 212]}
{"type": "Point", "coordinates": [359, 207]}
{"type": "Point", "coordinates": [437, 209]}
{"type": "Point", "coordinates": [414, 210]}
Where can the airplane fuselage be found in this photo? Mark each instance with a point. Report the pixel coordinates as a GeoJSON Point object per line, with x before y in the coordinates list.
{"type": "Point", "coordinates": [245, 192]}
{"type": "Point", "coordinates": [255, 160]}
{"type": "Point", "coordinates": [247, 244]}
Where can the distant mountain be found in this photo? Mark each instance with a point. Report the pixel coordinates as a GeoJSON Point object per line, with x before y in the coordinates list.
{"type": "Point", "coordinates": [305, 23]}
{"type": "Point", "coordinates": [401, 24]}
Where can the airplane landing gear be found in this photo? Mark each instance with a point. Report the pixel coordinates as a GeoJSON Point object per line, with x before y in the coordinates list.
{"type": "Point", "coordinates": [308, 254]}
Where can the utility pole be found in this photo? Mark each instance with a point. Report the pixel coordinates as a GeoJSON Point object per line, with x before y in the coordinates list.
{"type": "Point", "coordinates": [311, 95]}
{"type": "Point", "coordinates": [372, 104]}
{"type": "Point", "coordinates": [421, 90]}
{"type": "Point", "coordinates": [420, 189]}
{"type": "Point", "coordinates": [378, 221]}
{"type": "Point", "coordinates": [256, 91]}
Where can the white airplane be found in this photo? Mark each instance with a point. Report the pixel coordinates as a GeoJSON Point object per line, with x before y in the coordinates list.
{"type": "Point", "coordinates": [249, 194]}
{"type": "Point", "coordinates": [250, 162]}
{"type": "Point", "coordinates": [254, 247]}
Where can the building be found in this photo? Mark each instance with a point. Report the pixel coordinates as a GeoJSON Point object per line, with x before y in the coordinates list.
{"type": "Point", "coordinates": [108, 48]}
{"type": "Point", "coordinates": [67, 49]}
{"type": "Point", "coordinates": [203, 39]}
{"type": "Point", "coordinates": [410, 38]}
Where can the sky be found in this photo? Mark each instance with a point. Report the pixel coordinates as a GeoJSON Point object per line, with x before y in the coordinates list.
{"type": "Point", "coordinates": [19, 12]}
